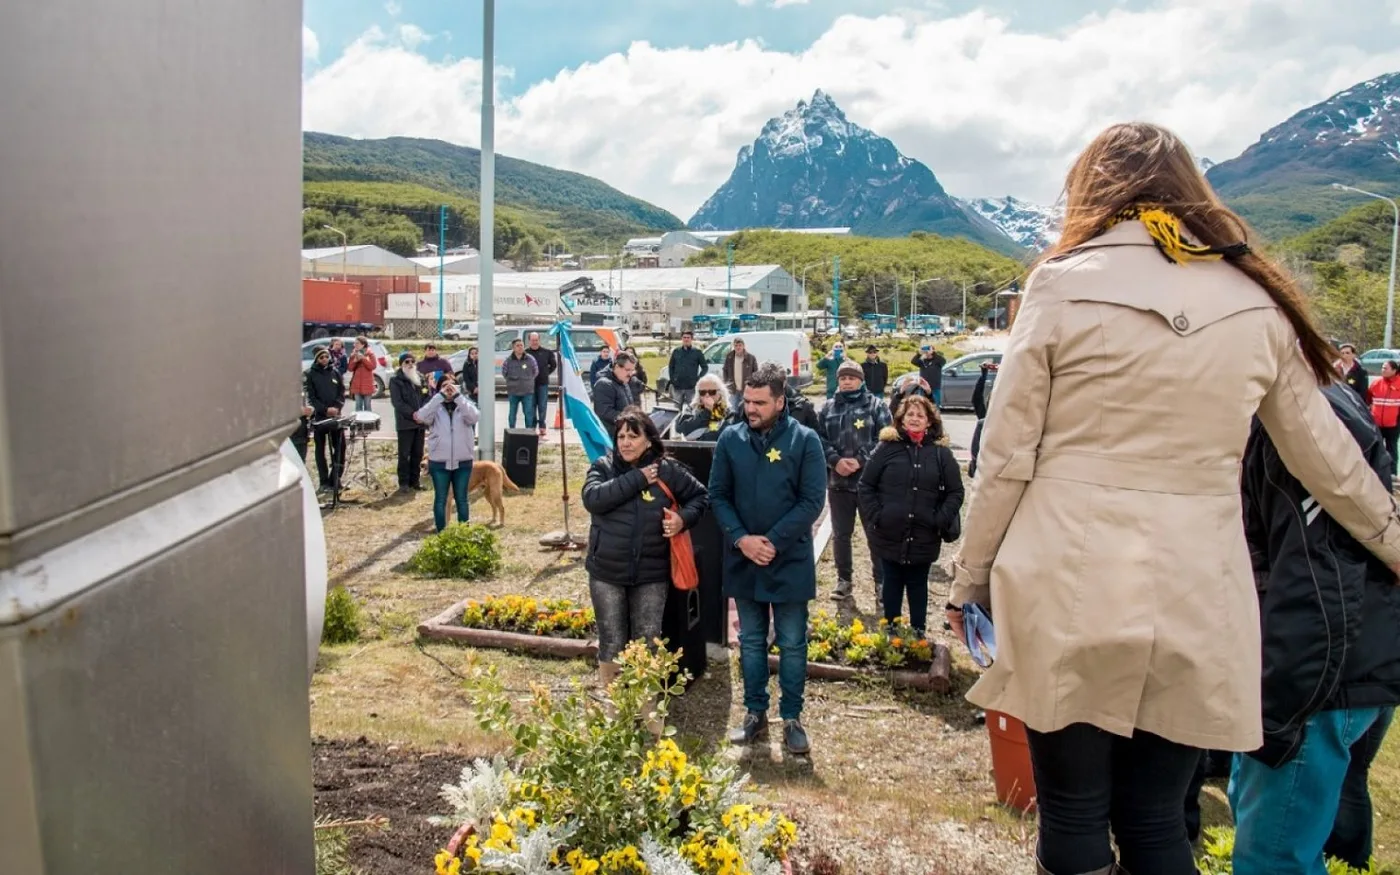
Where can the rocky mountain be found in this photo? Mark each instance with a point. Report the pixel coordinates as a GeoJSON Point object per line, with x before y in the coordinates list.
{"type": "Point", "coordinates": [1032, 226]}
{"type": "Point", "coordinates": [814, 168]}
{"type": "Point", "coordinates": [1282, 184]}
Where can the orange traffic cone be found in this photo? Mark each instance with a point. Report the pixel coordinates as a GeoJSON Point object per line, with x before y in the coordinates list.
{"type": "Point", "coordinates": [559, 417]}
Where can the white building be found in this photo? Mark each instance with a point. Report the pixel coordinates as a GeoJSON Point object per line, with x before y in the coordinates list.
{"type": "Point", "coordinates": [461, 263]}
{"type": "Point", "coordinates": [642, 297]}
{"type": "Point", "coordinates": [362, 260]}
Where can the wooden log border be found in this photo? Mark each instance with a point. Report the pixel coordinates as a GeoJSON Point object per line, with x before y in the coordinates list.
{"type": "Point", "coordinates": [937, 679]}
{"type": "Point", "coordinates": [446, 627]}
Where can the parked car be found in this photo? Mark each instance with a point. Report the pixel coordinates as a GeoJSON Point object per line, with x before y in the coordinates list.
{"type": "Point", "coordinates": [460, 331]}
{"type": "Point", "coordinates": [587, 339]}
{"type": "Point", "coordinates": [791, 349]}
{"type": "Point", "coordinates": [1372, 359]}
{"type": "Point", "coordinates": [383, 371]}
{"type": "Point", "coordinates": [959, 378]}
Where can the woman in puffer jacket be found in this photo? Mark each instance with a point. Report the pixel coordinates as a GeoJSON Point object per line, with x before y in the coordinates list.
{"type": "Point", "coordinates": [451, 420]}
{"type": "Point", "coordinates": [706, 419]}
{"type": "Point", "coordinates": [629, 547]}
{"type": "Point", "coordinates": [911, 493]}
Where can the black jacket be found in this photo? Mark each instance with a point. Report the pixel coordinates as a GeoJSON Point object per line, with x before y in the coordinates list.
{"type": "Point", "coordinates": [979, 392]}
{"type": "Point", "coordinates": [324, 389]}
{"type": "Point", "coordinates": [610, 398]}
{"type": "Point", "coordinates": [976, 448]}
{"type": "Point", "coordinates": [407, 398]}
{"type": "Point", "coordinates": [625, 543]}
{"type": "Point", "coordinates": [931, 369]}
{"type": "Point", "coordinates": [1359, 381]}
{"type": "Point", "coordinates": [701, 423]}
{"type": "Point", "coordinates": [1329, 609]}
{"type": "Point", "coordinates": [471, 377]}
{"type": "Point", "coordinates": [877, 375]}
{"type": "Point", "coordinates": [548, 362]}
{"type": "Point", "coordinates": [850, 429]}
{"type": "Point", "coordinates": [686, 367]}
{"type": "Point", "coordinates": [910, 495]}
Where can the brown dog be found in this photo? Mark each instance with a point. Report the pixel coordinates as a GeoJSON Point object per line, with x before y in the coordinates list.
{"type": "Point", "coordinates": [491, 477]}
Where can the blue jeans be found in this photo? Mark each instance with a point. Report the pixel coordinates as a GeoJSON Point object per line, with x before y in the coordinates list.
{"type": "Point", "coordinates": [938, 397]}
{"type": "Point", "coordinates": [525, 402]}
{"type": "Point", "coordinates": [458, 480]}
{"type": "Point", "coordinates": [1350, 841]}
{"type": "Point", "coordinates": [541, 405]}
{"type": "Point", "coordinates": [1283, 816]}
{"type": "Point", "coordinates": [790, 632]}
{"type": "Point", "coordinates": [362, 402]}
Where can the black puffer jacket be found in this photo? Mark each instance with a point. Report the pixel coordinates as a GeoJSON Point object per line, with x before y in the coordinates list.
{"type": "Point", "coordinates": [407, 398]}
{"type": "Point", "coordinates": [704, 424]}
{"type": "Point", "coordinates": [911, 494]}
{"type": "Point", "coordinates": [625, 543]}
{"type": "Point", "coordinates": [1329, 609]}
{"type": "Point", "coordinates": [610, 398]}
{"type": "Point", "coordinates": [324, 390]}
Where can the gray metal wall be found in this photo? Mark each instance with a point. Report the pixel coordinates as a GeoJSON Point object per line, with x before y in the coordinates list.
{"type": "Point", "coordinates": [153, 709]}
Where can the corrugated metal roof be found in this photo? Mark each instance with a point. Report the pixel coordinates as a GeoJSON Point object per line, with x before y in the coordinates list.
{"type": "Point", "coordinates": [663, 279]}
{"type": "Point", "coordinates": [313, 254]}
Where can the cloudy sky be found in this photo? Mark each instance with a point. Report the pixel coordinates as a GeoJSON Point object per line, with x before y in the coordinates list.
{"type": "Point", "coordinates": [656, 96]}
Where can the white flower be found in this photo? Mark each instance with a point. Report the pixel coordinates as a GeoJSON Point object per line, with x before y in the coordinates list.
{"type": "Point", "coordinates": [663, 861]}
{"type": "Point", "coordinates": [483, 789]}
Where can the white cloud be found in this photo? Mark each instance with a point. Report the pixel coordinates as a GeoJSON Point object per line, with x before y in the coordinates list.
{"type": "Point", "coordinates": [412, 36]}
{"type": "Point", "coordinates": [393, 7]}
{"type": "Point", "coordinates": [310, 45]}
{"type": "Point", "coordinates": [993, 110]}
{"type": "Point", "coordinates": [779, 4]}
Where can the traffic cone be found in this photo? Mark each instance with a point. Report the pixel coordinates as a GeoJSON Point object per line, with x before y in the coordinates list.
{"type": "Point", "coordinates": [559, 417]}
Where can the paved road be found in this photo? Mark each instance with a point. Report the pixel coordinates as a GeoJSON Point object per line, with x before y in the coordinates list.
{"type": "Point", "coordinates": [959, 425]}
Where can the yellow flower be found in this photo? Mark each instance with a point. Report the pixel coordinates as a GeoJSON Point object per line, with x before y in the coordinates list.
{"type": "Point", "coordinates": [525, 817]}
{"type": "Point", "coordinates": [580, 863]}
{"type": "Point", "coordinates": [502, 836]}
{"type": "Point", "coordinates": [443, 860]}
{"type": "Point", "coordinates": [857, 627]}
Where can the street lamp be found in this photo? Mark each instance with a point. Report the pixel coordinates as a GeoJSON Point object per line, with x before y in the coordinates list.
{"type": "Point", "coordinates": [344, 248]}
{"type": "Point", "coordinates": [805, 268]}
{"type": "Point", "coordinates": [1394, 245]}
{"type": "Point", "coordinates": [913, 300]}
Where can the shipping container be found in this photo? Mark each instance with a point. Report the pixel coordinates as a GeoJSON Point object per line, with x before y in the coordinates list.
{"type": "Point", "coordinates": [340, 302]}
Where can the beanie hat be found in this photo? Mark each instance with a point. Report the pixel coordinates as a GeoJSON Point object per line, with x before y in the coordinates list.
{"type": "Point", "coordinates": [405, 356]}
{"type": "Point", "coordinates": [850, 367]}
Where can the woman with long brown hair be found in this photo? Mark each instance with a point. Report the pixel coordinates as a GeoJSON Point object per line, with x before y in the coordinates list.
{"type": "Point", "coordinates": [1104, 530]}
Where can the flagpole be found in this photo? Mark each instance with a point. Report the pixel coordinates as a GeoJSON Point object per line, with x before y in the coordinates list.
{"type": "Point", "coordinates": [564, 540]}
{"type": "Point", "coordinates": [486, 245]}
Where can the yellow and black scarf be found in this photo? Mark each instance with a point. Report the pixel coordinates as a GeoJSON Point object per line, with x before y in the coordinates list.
{"type": "Point", "coordinates": [1164, 228]}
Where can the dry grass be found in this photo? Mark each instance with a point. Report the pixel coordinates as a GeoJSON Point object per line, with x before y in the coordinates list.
{"type": "Point", "coordinates": [898, 781]}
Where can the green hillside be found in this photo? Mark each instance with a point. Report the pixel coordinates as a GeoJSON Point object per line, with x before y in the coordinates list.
{"type": "Point", "coordinates": [872, 266]}
{"type": "Point", "coordinates": [406, 176]}
{"type": "Point", "coordinates": [1344, 265]}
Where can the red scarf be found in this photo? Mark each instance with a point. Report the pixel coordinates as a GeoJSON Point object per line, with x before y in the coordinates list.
{"type": "Point", "coordinates": [916, 436]}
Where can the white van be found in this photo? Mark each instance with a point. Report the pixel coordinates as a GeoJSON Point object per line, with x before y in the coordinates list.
{"type": "Point", "coordinates": [790, 349]}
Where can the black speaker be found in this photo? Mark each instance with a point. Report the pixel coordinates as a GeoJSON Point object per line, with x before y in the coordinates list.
{"type": "Point", "coordinates": [708, 540]}
{"type": "Point", "coordinates": [681, 628]}
{"type": "Point", "coordinates": [520, 456]}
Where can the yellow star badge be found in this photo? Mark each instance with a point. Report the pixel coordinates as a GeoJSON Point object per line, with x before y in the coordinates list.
{"type": "Point", "coordinates": [859, 423]}
{"type": "Point", "coordinates": [775, 455]}
{"type": "Point", "coordinates": [647, 496]}
{"type": "Point", "coordinates": [714, 426]}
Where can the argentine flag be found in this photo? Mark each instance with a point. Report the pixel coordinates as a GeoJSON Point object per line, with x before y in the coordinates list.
{"type": "Point", "coordinates": [574, 397]}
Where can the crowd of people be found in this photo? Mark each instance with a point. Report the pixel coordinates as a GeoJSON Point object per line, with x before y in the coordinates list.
{"type": "Point", "coordinates": [1204, 572]}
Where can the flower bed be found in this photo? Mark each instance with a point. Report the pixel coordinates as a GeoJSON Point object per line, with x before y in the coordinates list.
{"type": "Point", "coordinates": [840, 652]}
{"type": "Point", "coordinates": [588, 791]}
{"type": "Point", "coordinates": [554, 627]}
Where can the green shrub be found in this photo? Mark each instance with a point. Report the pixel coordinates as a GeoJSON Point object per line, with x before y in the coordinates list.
{"type": "Point", "coordinates": [1219, 848]}
{"type": "Point", "coordinates": [463, 551]}
{"type": "Point", "coordinates": [342, 625]}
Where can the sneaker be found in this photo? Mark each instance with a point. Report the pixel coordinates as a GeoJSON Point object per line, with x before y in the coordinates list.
{"type": "Point", "coordinates": [754, 723]}
{"type": "Point", "coordinates": [842, 592]}
{"type": "Point", "coordinates": [795, 737]}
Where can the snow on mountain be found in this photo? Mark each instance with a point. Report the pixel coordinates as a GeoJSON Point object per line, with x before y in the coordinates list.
{"type": "Point", "coordinates": [812, 167]}
{"type": "Point", "coordinates": [1031, 225]}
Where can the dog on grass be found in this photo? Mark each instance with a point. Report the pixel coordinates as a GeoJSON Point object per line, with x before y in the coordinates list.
{"type": "Point", "coordinates": [491, 477]}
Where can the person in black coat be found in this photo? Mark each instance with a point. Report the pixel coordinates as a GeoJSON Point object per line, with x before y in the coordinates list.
{"type": "Point", "coordinates": [912, 492]}
{"type": "Point", "coordinates": [408, 391]}
{"type": "Point", "coordinates": [1331, 660]}
{"type": "Point", "coordinates": [686, 367]}
{"type": "Point", "coordinates": [548, 362]}
{"type": "Point", "coordinates": [930, 363]}
{"type": "Point", "coordinates": [470, 375]}
{"type": "Point", "coordinates": [325, 395]}
{"type": "Point", "coordinates": [629, 549]}
{"type": "Point", "coordinates": [709, 415]}
{"type": "Point", "coordinates": [615, 391]}
{"type": "Point", "coordinates": [877, 373]}
{"type": "Point", "coordinates": [1353, 375]}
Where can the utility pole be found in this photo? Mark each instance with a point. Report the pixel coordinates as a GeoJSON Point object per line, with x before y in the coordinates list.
{"type": "Point", "coordinates": [344, 249]}
{"type": "Point", "coordinates": [729, 280]}
{"type": "Point", "coordinates": [1394, 246]}
{"type": "Point", "coordinates": [442, 262]}
{"type": "Point", "coordinates": [836, 290]}
{"type": "Point", "coordinates": [486, 308]}
{"type": "Point", "coordinates": [964, 319]}
{"type": "Point", "coordinates": [896, 301]}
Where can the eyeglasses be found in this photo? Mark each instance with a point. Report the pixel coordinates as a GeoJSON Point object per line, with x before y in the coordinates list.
{"type": "Point", "coordinates": [704, 392]}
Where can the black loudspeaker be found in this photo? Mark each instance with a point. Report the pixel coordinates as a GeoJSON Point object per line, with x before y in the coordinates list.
{"type": "Point", "coordinates": [708, 541]}
{"type": "Point", "coordinates": [681, 628]}
{"type": "Point", "coordinates": [520, 456]}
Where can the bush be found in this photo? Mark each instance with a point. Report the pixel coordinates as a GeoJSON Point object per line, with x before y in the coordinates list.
{"type": "Point", "coordinates": [465, 551]}
{"type": "Point", "coordinates": [342, 625]}
{"type": "Point", "coordinates": [1220, 847]}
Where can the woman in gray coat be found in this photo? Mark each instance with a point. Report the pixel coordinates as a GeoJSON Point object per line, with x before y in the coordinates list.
{"type": "Point", "coordinates": [451, 420]}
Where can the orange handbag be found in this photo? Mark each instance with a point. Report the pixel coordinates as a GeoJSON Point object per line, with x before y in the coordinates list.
{"type": "Point", "coordinates": [684, 575]}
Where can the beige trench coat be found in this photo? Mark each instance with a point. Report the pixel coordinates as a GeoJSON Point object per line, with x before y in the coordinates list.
{"type": "Point", "coordinates": [1105, 527]}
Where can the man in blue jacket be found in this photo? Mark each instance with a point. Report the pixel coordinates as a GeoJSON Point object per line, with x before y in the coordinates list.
{"type": "Point", "coordinates": [767, 487]}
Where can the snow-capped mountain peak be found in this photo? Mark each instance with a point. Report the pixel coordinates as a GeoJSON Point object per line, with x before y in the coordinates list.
{"type": "Point", "coordinates": [1033, 226]}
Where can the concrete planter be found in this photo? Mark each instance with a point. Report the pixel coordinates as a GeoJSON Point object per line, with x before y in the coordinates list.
{"type": "Point", "coordinates": [447, 626]}
{"type": "Point", "coordinates": [936, 679]}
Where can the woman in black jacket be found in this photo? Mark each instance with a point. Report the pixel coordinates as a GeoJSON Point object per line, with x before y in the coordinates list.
{"type": "Point", "coordinates": [911, 492]}
{"type": "Point", "coordinates": [629, 548]}
{"type": "Point", "coordinates": [471, 375]}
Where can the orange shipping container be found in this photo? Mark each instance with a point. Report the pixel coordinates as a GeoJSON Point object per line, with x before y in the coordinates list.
{"type": "Point", "coordinates": [336, 301]}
